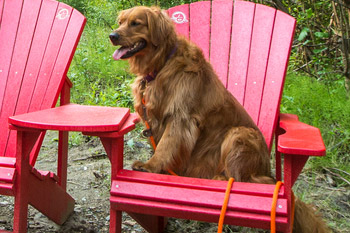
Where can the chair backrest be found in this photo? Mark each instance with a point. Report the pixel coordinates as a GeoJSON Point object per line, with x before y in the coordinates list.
{"type": "Point", "coordinates": [248, 45]}
{"type": "Point", "coordinates": [37, 42]}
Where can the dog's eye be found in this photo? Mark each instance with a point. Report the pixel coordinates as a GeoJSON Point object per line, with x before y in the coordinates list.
{"type": "Point", "coordinates": [134, 23]}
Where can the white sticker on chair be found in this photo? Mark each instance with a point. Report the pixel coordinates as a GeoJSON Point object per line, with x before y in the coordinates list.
{"type": "Point", "coordinates": [62, 13]}
{"type": "Point", "coordinates": [179, 17]}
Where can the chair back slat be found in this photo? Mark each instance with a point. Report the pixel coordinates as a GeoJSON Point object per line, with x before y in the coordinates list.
{"type": "Point", "coordinates": [200, 25]}
{"type": "Point", "coordinates": [221, 24]}
{"type": "Point", "coordinates": [259, 53]}
{"type": "Point", "coordinates": [8, 30]}
{"type": "Point", "coordinates": [249, 50]}
{"type": "Point", "coordinates": [276, 71]}
{"type": "Point", "coordinates": [35, 60]}
{"type": "Point", "coordinates": [36, 56]}
{"type": "Point", "coordinates": [1, 7]}
{"type": "Point", "coordinates": [44, 44]}
{"type": "Point", "coordinates": [21, 40]}
{"type": "Point", "coordinates": [64, 58]}
{"type": "Point", "coordinates": [49, 60]}
{"type": "Point", "coordinates": [180, 15]}
{"type": "Point", "coordinates": [242, 27]}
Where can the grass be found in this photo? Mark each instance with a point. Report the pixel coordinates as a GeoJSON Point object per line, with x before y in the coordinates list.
{"type": "Point", "coordinates": [325, 106]}
{"type": "Point", "coordinates": [97, 78]}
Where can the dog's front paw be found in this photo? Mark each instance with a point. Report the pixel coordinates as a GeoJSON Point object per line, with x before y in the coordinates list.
{"type": "Point", "coordinates": [140, 166]}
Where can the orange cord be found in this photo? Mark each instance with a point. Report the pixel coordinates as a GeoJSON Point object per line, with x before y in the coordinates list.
{"type": "Point", "coordinates": [273, 208]}
{"type": "Point", "coordinates": [293, 210]}
{"type": "Point", "coordinates": [151, 138]}
{"type": "Point", "coordinates": [224, 206]}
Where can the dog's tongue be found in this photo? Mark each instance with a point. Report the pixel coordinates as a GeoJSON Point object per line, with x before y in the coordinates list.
{"type": "Point", "coordinates": [119, 53]}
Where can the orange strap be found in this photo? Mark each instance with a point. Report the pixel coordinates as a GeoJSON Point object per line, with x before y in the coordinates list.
{"type": "Point", "coordinates": [293, 210]}
{"type": "Point", "coordinates": [224, 206]}
{"type": "Point", "coordinates": [273, 208]}
{"type": "Point", "coordinates": [151, 138]}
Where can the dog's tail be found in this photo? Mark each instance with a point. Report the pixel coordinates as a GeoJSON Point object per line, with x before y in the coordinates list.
{"type": "Point", "coordinates": [261, 179]}
{"type": "Point", "coordinates": [307, 220]}
{"type": "Point", "coordinates": [306, 217]}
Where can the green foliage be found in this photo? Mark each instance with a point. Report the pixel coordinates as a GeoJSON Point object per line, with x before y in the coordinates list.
{"type": "Point", "coordinates": [315, 46]}
{"type": "Point", "coordinates": [97, 78]}
{"type": "Point", "coordinates": [303, 34]}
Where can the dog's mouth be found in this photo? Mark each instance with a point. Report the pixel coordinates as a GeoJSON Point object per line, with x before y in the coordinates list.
{"type": "Point", "coordinates": [125, 52]}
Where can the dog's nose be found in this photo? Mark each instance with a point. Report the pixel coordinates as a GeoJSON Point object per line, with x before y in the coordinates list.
{"type": "Point", "coordinates": [114, 36]}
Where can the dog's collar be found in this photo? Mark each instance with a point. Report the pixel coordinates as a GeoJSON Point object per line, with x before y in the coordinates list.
{"type": "Point", "coordinates": [173, 51]}
{"type": "Point", "coordinates": [152, 76]}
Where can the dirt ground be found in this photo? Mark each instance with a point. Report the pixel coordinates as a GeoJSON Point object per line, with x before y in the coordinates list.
{"type": "Point", "coordinates": [89, 183]}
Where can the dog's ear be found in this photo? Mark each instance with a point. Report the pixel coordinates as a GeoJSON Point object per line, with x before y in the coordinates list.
{"type": "Point", "coordinates": [159, 25]}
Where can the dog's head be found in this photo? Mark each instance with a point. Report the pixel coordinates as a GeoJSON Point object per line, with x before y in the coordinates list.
{"type": "Point", "coordinates": [141, 30]}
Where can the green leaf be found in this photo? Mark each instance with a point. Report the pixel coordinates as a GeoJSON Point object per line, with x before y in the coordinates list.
{"type": "Point", "coordinates": [309, 13]}
{"type": "Point", "coordinates": [303, 34]}
{"type": "Point", "coordinates": [316, 51]}
{"type": "Point", "coordinates": [130, 143]}
{"type": "Point", "coordinates": [321, 34]}
{"type": "Point", "coordinates": [306, 42]}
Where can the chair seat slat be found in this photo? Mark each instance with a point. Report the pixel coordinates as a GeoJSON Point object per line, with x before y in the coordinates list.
{"type": "Point", "coordinates": [264, 190]}
{"type": "Point", "coordinates": [7, 174]}
{"type": "Point", "coordinates": [7, 162]}
{"type": "Point", "coordinates": [196, 197]}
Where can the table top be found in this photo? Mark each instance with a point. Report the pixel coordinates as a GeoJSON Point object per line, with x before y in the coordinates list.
{"type": "Point", "coordinates": [74, 117]}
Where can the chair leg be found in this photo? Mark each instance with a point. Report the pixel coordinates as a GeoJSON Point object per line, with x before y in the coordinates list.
{"type": "Point", "coordinates": [115, 225]}
{"type": "Point", "coordinates": [25, 142]}
{"type": "Point", "coordinates": [20, 213]}
{"type": "Point", "coordinates": [21, 208]}
{"type": "Point", "coordinates": [62, 161]}
{"type": "Point", "coordinates": [151, 223]}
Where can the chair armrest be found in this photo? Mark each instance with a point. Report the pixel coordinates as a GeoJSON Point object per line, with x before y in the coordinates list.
{"type": "Point", "coordinates": [74, 117]}
{"type": "Point", "coordinates": [299, 138]}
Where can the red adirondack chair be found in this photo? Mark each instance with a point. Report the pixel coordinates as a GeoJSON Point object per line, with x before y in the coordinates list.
{"type": "Point", "coordinates": [248, 45]}
{"type": "Point", "coordinates": [37, 42]}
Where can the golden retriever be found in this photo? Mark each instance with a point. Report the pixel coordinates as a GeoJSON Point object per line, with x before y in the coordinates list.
{"type": "Point", "coordinates": [199, 128]}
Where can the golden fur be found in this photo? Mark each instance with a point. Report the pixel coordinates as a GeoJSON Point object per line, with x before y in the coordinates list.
{"type": "Point", "coordinates": [200, 129]}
